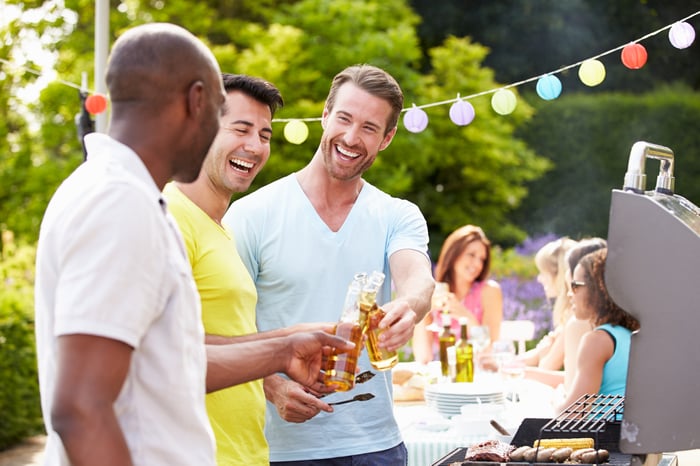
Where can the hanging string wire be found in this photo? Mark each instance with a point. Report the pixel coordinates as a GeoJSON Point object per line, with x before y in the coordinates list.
{"type": "Point", "coordinates": [38, 73]}
{"type": "Point", "coordinates": [524, 81]}
{"type": "Point", "coordinates": [433, 104]}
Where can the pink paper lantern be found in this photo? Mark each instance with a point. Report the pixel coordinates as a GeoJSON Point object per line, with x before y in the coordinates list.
{"type": "Point", "coordinates": [461, 113]}
{"type": "Point", "coordinates": [634, 56]}
{"type": "Point", "coordinates": [415, 120]}
{"type": "Point", "coordinates": [681, 35]}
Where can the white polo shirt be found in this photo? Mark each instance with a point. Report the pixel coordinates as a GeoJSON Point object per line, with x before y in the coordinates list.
{"type": "Point", "coordinates": [111, 262]}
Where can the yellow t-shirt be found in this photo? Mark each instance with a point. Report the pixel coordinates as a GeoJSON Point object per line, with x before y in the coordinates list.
{"type": "Point", "coordinates": [228, 295]}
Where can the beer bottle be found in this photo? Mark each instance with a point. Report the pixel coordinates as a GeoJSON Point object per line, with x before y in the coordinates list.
{"type": "Point", "coordinates": [379, 358]}
{"type": "Point", "coordinates": [340, 367]}
{"type": "Point", "coordinates": [447, 339]}
{"type": "Point", "coordinates": [465, 355]}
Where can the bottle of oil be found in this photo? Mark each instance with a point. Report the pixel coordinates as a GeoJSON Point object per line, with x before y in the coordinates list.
{"type": "Point", "coordinates": [380, 358]}
{"type": "Point", "coordinates": [340, 367]}
{"type": "Point", "coordinates": [447, 339]}
{"type": "Point", "coordinates": [465, 355]}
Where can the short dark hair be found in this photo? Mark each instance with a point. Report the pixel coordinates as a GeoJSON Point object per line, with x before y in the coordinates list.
{"type": "Point", "coordinates": [375, 81]}
{"type": "Point", "coordinates": [257, 88]}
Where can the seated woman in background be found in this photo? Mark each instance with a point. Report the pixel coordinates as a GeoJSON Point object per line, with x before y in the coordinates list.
{"type": "Point", "coordinates": [463, 264]}
{"type": "Point", "coordinates": [603, 355]}
{"type": "Point", "coordinates": [572, 329]}
{"type": "Point", "coordinates": [550, 260]}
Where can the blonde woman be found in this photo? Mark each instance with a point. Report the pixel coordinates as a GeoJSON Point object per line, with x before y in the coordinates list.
{"type": "Point", "coordinates": [550, 260]}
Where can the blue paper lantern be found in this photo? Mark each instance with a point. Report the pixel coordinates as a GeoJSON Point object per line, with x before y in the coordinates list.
{"type": "Point", "coordinates": [461, 113]}
{"type": "Point", "coordinates": [415, 120]}
{"type": "Point", "coordinates": [548, 87]}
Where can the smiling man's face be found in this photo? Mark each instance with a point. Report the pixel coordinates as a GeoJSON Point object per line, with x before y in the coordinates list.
{"type": "Point", "coordinates": [242, 145]}
{"type": "Point", "coordinates": [354, 132]}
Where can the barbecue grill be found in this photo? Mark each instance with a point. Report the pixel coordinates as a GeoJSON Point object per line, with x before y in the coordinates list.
{"type": "Point", "coordinates": [653, 272]}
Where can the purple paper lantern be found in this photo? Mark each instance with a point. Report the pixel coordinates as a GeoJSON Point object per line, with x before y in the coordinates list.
{"type": "Point", "coordinates": [548, 87]}
{"type": "Point", "coordinates": [415, 120]}
{"type": "Point", "coordinates": [461, 113]}
{"type": "Point", "coordinates": [681, 35]}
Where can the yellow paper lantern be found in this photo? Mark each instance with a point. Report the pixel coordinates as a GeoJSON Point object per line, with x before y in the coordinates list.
{"type": "Point", "coordinates": [504, 102]}
{"type": "Point", "coordinates": [296, 131]}
{"type": "Point", "coordinates": [591, 72]}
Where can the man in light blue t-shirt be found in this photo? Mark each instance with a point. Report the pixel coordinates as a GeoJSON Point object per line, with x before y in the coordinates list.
{"type": "Point", "coordinates": [303, 238]}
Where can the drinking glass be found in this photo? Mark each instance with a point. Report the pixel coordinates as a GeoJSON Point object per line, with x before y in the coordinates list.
{"type": "Point", "coordinates": [479, 337]}
{"type": "Point", "coordinates": [509, 367]}
{"type": "Point", "coordinates": [440, 298]}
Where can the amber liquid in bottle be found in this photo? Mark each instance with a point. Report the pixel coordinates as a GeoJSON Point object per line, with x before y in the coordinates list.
{"type": "Point", "coordinates": [340, 368]}
{"type": "Point", "coordinates": [380, 358]}
{"type": "Point", "coordinates": [465, 356]}
{"type": "Point", "coordinates": [447, 339]}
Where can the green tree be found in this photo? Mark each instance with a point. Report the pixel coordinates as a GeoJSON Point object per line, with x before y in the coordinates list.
{"type": "Point", "coordinates": [473, 174]}
{"type": "Point", "coordinates": [532, 38]}
{"type": "Point", "coordinates": [591, 155]}
{"type": "Point", "coordinates": [300, 45]}
{"type": "Point", "coordinates": [31, 165]}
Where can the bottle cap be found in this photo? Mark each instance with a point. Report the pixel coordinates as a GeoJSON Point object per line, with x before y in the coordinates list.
{"type": "Point", "coordinates": [463, 321]}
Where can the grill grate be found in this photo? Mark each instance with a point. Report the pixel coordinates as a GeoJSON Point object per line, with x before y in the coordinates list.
{"type": "Point", "coordinates": [596, 416]}
{"type": "Point", "coordinates": [590, 414]}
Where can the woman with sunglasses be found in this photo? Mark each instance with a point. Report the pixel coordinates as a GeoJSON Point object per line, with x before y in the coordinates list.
{"type": "Point", "coordinates": [560, 347]}
{"type": "Point", "coordinates": [603, 354]}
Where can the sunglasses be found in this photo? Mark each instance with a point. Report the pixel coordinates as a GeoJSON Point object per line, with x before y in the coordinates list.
{"type": "Point", "coordinates": [575, 285]}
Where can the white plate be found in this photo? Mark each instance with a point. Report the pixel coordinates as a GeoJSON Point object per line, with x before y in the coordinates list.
{"type": "Point", "coordinates": [465, 389]}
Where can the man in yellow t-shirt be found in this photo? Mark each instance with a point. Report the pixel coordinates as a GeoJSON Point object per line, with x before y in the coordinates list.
{"type": "Point", "coordinates": [238, 153]}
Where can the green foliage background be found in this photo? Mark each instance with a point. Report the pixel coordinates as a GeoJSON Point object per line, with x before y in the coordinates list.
{"type": "Point", "coordinates": [19, 389]}
{"type": "Point", "coordinates": [548, 167]}
{"type": "Point", "coordinates": [591, 161]}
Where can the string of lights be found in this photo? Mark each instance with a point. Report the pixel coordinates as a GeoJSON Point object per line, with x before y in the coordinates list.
{"type": "Point", "coordinates": [503, 101]}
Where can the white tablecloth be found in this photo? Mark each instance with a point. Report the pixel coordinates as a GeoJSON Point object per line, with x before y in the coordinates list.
{"type": "Point", "coordinates": [429, 436]}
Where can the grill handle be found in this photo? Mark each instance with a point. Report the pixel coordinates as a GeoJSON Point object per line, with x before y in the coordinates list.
{"type": "Point", "coordinates": [636, 178]}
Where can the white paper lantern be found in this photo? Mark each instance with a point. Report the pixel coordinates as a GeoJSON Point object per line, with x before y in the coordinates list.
{"type": "Point", "coordinates": [415, 120]}
{"type": "Point", "coordinates": [681, 35]}
{"type": "Point", "coordinates": [461, 113]}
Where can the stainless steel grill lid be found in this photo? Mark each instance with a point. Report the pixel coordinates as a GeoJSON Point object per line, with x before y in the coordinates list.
{"type": "Point", "coordinates": [653, 272]}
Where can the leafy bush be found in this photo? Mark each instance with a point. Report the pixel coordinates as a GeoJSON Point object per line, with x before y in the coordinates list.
{"type": "Point", "coordinates": [19, 396]}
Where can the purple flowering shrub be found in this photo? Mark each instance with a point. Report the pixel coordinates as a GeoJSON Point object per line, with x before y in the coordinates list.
{"type": "Point", "coordinates": [523, 295]}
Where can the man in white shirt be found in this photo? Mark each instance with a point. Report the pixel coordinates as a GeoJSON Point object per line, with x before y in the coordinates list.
{"type": "Point", "coordinates": [122, 363]}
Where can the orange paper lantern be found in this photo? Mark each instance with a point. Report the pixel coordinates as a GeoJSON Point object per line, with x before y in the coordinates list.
{"type": "Point", "coordinates": [634, 56]}
{"type": "Point", "coordinates": [96, 103]}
